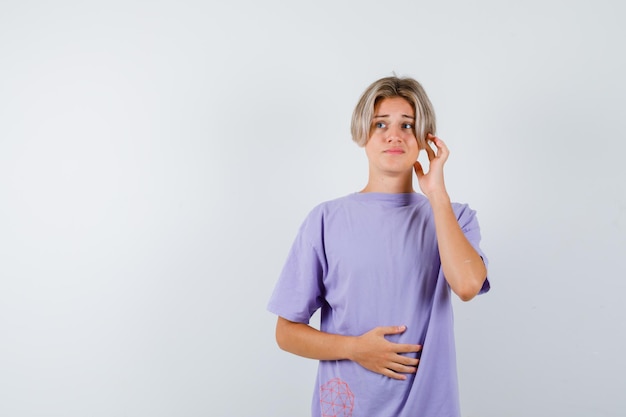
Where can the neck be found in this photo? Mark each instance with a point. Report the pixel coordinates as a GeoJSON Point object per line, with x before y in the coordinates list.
{"type": "Point", "coordinates": [394, 184]}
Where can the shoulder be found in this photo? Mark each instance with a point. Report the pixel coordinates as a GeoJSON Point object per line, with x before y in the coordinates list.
{"type": "Point", "coordinates": [331, 206]}
{"type": "Point", "coordinates": [323, 212]}
{"type": "Point", "coordinates": [462, 209]}
{"type": "Point", "coordinates": [465, 215]}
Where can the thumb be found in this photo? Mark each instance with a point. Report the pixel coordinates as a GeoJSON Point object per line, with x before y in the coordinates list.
{"type": "Point", "coordinates": [419, 171]}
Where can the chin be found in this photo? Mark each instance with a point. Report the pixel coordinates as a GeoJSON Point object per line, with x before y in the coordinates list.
{"type": "Point", "coordinates": [397, 172]}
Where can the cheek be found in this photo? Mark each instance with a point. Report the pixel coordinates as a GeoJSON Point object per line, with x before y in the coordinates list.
{"type": "Point", "coordinates": [368, 148]}
{"type": "Point", "coordinates": [414, 148]}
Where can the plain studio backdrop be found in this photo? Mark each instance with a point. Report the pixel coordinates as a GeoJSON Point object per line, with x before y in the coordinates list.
{"type": "Point", "coordinates": [157, 159]}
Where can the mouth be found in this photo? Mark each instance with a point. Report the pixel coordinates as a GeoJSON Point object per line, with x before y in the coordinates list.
{"type": "Point", "coordinates": [394, 151]}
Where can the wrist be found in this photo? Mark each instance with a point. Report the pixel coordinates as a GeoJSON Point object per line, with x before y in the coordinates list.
{"type": "Point", "coordinates": [350, 347]}
{"type": "Point", "coordinates": [439, 198]}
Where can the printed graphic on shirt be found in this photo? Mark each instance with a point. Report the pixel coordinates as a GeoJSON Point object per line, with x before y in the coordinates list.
{"type": "Point", "coordinates": [336, 399]}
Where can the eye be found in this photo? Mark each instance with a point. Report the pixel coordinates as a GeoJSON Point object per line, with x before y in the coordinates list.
{"type": "Point", "coordinates": [380, 125]}
{"type": "Point", "coordinates": [407, 126]}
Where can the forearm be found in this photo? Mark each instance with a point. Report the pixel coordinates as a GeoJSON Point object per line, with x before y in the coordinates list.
{"type": "Point", "coordinates": [462, 266]}
{"type": "Point", "coordinates": [303, 340]}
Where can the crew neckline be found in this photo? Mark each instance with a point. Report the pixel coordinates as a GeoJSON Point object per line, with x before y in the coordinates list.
{"type": "Point", "coordinates": [395, 199]}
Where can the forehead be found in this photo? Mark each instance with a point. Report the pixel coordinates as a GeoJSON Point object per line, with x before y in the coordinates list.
{"type": "Point", "coordinates": [389, 105]}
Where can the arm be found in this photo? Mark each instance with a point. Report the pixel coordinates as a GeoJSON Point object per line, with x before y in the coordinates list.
{"type": "Point", "coordinates": [463, 268]}
{"type": "Point", "coordinates": [370, 350]}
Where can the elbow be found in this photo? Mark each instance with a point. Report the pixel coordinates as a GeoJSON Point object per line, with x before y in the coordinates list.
{"type": "Point", "coordinates": [471, 287]}
{"type": "Point", "coordinates": [280, 338]}
{"type": "Point", "coordinates": [466, 295]}
{"type": "Point", "coordinates": [469, 291]}
{"type": "Point", "coordinates": [281, 342]}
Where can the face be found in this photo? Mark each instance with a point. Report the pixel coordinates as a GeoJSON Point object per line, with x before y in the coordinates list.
{"type": "Point", "coordinates": [392, 147]}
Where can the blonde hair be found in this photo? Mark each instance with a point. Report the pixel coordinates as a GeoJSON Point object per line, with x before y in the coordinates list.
{"type": "Point", "coordinates": [388, 87]}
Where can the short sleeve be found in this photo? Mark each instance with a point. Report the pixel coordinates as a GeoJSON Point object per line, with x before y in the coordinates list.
{"type": "Point", "coordinates": [469, 225]}
{"type": "Point", "coordinates": [299, 291]}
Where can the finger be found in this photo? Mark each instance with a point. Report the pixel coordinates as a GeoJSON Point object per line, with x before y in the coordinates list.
{"type": "Point", "coordinates": [407, 348]}
{"type": "Point", "coordinates": [440, 144]}
{"type": "Point", "coordinates": [419, 171]}
{"type": "Point", "coordinates": [402, 369]}
{"type": "Point", "coordinates": [393, 375]}
{"type": "Point", "coordinates": [442, 148]}
{"type": "Point", "coordinates": [406, 360]}
{"type": "Point", "coordinates": [391, 329]}
{"type": "Point", "coordinates": [429, 150]}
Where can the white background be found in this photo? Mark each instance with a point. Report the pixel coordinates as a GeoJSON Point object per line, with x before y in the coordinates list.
{"type": "Point", "coordinates": [157, 158]}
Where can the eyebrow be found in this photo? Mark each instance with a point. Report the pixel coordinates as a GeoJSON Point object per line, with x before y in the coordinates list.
{"type": "Point", "coordinates": [406, 116]}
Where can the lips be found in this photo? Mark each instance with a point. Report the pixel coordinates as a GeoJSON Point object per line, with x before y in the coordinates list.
{"type": "Point", "coordinates": [394, 151]}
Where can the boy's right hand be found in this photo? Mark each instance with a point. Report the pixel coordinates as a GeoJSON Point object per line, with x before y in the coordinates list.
{"type": "Point", "coordinates": [374, 352]}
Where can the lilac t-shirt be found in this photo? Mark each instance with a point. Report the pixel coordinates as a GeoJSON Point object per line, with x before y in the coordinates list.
{"type": "Point", "coordinates": [368, 260]}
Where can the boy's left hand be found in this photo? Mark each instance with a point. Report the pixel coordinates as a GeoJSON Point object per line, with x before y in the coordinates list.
{"type": "Point", "coordinates": [432, 183]}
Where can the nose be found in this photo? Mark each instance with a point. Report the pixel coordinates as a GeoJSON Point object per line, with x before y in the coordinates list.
{"type": "Point", "coordinates": [393, 134]}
